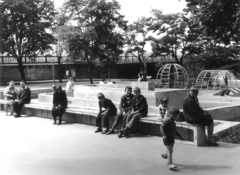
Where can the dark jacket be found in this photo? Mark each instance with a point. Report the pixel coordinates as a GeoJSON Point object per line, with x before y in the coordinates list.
{"type": "Point", "coordinates": [191, 109]}
{"type": "Point", "coordinates": [107, 103]}
{"type": "Point", "coordinates": [60, 99]}
{"type": "Point", "coordinates": [140, 104]}
{"type": "Point", "coordinates": [126, 102]}
{"type": "Point", "coordinates": [24, 95]}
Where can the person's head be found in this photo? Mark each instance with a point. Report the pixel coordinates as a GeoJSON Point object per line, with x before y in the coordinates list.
{"type": "Point", "coordinates": [128, 90]}
{"type": "Point", "coordinates": [137, 91]}
{"type": "Point", "coordinates": [54, 88]}
{"type": "Point", "coordinates": [11, 84]}
{"type": "Point", "coordinates": [114, 82]}
{"type": "Point", "coordinates": [164, 102]}
{"type": "Point", "coordinates": [59, 89]}
{"type": "Point", "coordinates": [100, 97]}
{"type": "Point", "coordinates": [193, 91]}
{"type": "Point", "coordinates": [22, 84]}
{"type": "Point", "coordinates": [174, 112]}
{"type": "Point", "coordinates": [103, 80]}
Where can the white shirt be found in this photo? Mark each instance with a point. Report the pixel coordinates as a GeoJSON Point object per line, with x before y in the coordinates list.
{"type": "Point", "coordinates": [69, 86]}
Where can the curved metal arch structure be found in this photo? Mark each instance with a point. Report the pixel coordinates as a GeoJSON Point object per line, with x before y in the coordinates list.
{"type": "Point", "coordinates": [173, 76]}
{"type": "Point", "coordinates": [216, 80]}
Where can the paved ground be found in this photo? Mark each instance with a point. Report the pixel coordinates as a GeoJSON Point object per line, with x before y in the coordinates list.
{"type": "Point", "coordinates": [34, 146]}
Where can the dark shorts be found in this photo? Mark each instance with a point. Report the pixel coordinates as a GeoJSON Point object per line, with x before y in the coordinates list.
{"type": "Point", "coordinates": [168, 141]}
{"type": "Point", "coordinates": [205, 120]}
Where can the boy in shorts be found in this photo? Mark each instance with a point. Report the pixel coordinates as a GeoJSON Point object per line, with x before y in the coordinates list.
{"type": "Point", "coordinates": [168, 130]}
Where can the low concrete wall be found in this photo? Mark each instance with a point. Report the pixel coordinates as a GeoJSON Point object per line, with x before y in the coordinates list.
{"type": "Point", "coordinates": [34, 92]}
{"type": "Point", "coordinates": [175, 96]}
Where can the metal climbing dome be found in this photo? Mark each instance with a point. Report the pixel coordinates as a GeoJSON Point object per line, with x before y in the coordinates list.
{"type": "Point", "coordinates": [172, 76]}
{"type": "Point", "coordinates": [216, 80]}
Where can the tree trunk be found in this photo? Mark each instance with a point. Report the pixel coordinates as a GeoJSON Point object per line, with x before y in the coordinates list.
{"type": "Point", "coordinates": [109, 74]}
{"type": "Point", "coordinates": [89, 67]}
{"type": "Point", "coordinates": [144, 71]}
{"type": "Point", "coordinates": [59, 69]}
{"type": "Point", "coordinates": [21, 68]}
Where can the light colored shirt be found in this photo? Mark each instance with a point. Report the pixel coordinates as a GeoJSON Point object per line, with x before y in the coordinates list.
{"type": "Point", "coordinates": [69, 86]}
{"type": "Point", "coordinates": [163, 112]}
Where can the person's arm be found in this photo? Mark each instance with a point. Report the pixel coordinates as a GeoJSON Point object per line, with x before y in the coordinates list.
{"type": "Point", "coordinates": [121, 106]}
{"type": "Point", "coordinates": [194, 109]}
{"type": "Point", "coordinates": [6, 92]}
{"type": "Point", "coordinates": [143, 105]}
{"type": "Point", "coordinates": [27, 95]}
{"type": "Point", "coordinates": [163, 131]}
{"type": "Point", "coordinates": [159, 110]}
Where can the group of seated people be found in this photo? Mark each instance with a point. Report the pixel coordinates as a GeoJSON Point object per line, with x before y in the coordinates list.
{"type": "Point", "coordinates": [132, 107]}
{"type": "Point", "coordinates": [16, 97]}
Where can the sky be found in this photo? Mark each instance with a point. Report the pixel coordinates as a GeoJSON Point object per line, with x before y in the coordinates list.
{"type": "Point", "coordinates": [134, 9]}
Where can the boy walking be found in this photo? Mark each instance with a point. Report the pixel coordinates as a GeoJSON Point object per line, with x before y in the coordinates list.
{"type": "Point", "coordinates": [168, 130]}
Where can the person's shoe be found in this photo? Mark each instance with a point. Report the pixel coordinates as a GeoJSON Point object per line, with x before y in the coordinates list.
{"type": "Point", "coordinates": [127, 135]}
{"type": "Point", "coordinates": [120, 135]}
{"type": "Point", "coordinates": [172, 166]}
{"type": "Point", "coordinates": [212, 143]}
{"type": "Point", "coordinates": [6, 114]}
{"type": "Point", "coordinates": [164, 156]}
{"type": "Point", "coordinates": [110, 132]}
{"type": "Point", "coordinates": [54, 123]}
{"type": "Point", "coordinates": [124, 130]}
{"type": "Point", "coordinates": [105, 131]}
{"type": "Point", "coordinates": [98, 130]}
{"type": "Point", "coordinates": [11, 114]}
{"type": "Point", "coordinates": [17, 115]}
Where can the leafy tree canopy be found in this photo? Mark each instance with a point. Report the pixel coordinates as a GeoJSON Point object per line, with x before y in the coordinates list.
{"type": "Point", "coordinates": [23, 26]}
{"type": "Point", "coordinates": [218, 19]}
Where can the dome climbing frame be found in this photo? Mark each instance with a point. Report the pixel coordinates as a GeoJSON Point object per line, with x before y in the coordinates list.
{"type": "Point", "coordinates": [173, 76]}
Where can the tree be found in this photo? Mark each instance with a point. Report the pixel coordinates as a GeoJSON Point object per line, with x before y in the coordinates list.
{"type": "Point", "coordinates": [217, 19]}
{"type": "Point", "coordinates": [94, 37]}
{"type": "Point", "coordinates": [23, 28]}
{"type": "Point", "coordinates": [137, 36]}
{"type": "Point", "coordinates": [173, 37]}
{"type": "Point", "coordinates": [216, 23]}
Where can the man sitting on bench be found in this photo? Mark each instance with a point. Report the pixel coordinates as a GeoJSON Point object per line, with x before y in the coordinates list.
{"type": "Point", "coordinates": [24, 97]}
{"type": "Point", "coordinates": [194, 114]}
{"type": "Point", "coordinates": [111, 110]}
{"type": "Point", "coordinates": [125, 110]}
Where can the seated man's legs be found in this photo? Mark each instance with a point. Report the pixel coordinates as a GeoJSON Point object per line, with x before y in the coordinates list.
{"type": "Point", "coordinates": [131, 122]}
{"type": "Point", "coordinates": [106, 120]}
{"type": "Point", "coordinates": [98, 122]}
{"type": "Point", "coordinates": [17, 106]}
{"type": "Point", "coordinates": [132, 119]}
{"type": "Point", "coordinates": [116, 121]}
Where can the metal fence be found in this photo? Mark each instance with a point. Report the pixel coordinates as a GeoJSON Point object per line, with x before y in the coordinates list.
{"type": "Point", "coordinates": [50, 59]}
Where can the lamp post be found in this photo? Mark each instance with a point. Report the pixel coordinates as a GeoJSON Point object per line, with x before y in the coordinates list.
{"type": "Point", "coordinates": [53, 70]}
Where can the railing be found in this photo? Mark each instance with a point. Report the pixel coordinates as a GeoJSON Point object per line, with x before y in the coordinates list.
{"type": "Point", "coordinates": [50, 59]}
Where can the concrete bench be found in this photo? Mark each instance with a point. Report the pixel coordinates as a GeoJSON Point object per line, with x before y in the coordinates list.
{"type": "Point", "coordinates": [88, 116]}
{"type": "Point", "coordinates": [199, 136]}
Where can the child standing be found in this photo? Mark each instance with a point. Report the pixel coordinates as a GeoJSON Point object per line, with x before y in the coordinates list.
{"type": "Point", "coordinates": [168, 130]}
{"type": "Point", "coordinates": [163, 108]}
